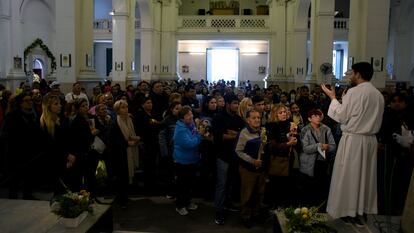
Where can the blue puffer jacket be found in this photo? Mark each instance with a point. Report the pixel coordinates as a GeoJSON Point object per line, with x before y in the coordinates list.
{"type": "Point", "coordinates": [186, 141]}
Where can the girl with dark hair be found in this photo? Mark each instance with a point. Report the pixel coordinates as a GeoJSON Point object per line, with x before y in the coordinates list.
{"type": "Point", "coordinates": [166, 145]}
{"type": "Point", "coordinates": [81, 136]}
{"type": "Point", "coordinates": [207, 149]}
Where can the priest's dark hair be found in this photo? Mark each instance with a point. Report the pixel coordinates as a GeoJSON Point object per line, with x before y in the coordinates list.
{"type": "Point", "coordinates": [365, 69]}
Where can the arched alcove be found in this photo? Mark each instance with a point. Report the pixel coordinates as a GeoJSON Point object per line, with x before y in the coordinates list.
{"type": "Point", "coordinates": [38, 17]}
{"type": "Point", "coordinates": [301, 17]}
{"type": "Point", "coordinates": [37, 67]}
{"type": "Point", "coordinates": [145, 13]}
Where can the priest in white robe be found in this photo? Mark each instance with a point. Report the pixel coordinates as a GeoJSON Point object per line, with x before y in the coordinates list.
{"type": "Point", "coordinates": [353, 190]}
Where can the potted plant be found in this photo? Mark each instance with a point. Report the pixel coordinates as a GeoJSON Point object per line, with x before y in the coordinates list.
{"type": "Point", "coordinates": [300, 220]}
{"type": "Point", "coordinates": [72, 207]}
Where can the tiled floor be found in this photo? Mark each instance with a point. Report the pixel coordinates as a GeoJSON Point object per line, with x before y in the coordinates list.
{"type": "Point", "coordinates": [157, 214]}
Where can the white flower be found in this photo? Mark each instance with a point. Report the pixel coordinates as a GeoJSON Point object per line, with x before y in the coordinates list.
{"type": "Point", "coordinates": [297, 211]}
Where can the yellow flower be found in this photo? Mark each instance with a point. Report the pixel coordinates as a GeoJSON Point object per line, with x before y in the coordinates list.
{"type": "Point", "coordinates": [305, 216]}
{"type": "Point", "coordinates": [304, 210]}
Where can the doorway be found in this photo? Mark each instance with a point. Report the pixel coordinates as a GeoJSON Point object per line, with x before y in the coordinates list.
{"type": "Point", "coordinates": [38, 68]}
{"type": "Point", "coordinates": [223, 63]}
{"type": "Point", "coordinates": [337, 64]}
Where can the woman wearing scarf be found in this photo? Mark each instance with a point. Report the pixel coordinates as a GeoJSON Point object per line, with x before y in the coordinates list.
{"type": "Point", "coordinates": [123, 149]}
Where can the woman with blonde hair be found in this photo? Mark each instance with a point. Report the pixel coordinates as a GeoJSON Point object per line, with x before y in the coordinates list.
{"type": "Point", "coordinates": [281, 139]}
{"type": "Point", "coordinates": [245, 105]}
{"type": "Point", "coordinates": [57, 158]}
{"type": "Point", "coordinates": [123, 149]}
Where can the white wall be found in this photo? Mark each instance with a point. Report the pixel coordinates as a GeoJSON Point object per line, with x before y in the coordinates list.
{"type": "Point", "coordinates": [196, 63]}
{"type": "Point", "coordinates": [249, 68]}
{"type": "Point", "coordinates": [248, 64]}
{"type": "Point", "coordinates": [38, 22]}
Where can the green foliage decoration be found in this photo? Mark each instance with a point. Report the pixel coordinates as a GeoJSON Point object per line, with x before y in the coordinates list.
{"type": "Point", "coordinates": [34, 44]}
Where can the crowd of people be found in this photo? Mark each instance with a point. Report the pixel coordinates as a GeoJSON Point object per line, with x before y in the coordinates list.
{"type": "Point", "coordinates": [249, 147]}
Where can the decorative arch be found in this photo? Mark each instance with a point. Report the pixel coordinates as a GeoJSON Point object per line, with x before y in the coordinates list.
{"type": "Point", "coordinates": [145, 13]}
{"type": "Point", "coordinates": [407, 8]}
{"type": "Point", "coordinates": [39, 43]}
{"type": "Point", "coordinates": [301, 17]}
{"type": "Point", "coordinates": [23, 4]}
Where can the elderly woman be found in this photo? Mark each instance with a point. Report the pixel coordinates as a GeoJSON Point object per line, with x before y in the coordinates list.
{"type": "Point", "coordinates": [186, 157]}
{"type": "Point", "coordinates": [123, 149]}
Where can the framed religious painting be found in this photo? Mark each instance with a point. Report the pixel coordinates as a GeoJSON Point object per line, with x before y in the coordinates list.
{"type": "Point", "coordinates": [65, 60]}
{"type": "Point", "coordinates": [17, 63]}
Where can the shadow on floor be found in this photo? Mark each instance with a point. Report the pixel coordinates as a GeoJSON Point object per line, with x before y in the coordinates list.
{"type": "Point", "coordinates": [157, 214]}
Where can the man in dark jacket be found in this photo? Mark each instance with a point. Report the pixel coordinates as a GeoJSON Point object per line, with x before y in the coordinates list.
{"type": "Point", "coordinates": [226, 126]}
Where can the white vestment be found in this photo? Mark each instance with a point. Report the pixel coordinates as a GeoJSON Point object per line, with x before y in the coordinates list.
{"type": "Point", "coordinates": [353, 187]}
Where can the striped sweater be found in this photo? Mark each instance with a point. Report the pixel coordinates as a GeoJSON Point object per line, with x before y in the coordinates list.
{"type": "Point", "coordinates": [247, 149]}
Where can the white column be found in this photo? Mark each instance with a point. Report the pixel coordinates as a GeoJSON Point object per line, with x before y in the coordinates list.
{"type": "Point", "coordinates": [149, 38]}
{"type": "Point", "coordinates": [13, 44]}
{"type": "Point", "coordinates": [168, 48]}
{"type": "Point", "coordinates": [368, 35]}
{"type": "Point", "coordinates": [132, 74]}
{"type": "Point", "coordinates": [297, 39]}
{"type": "Point", "coordinates": [156, 43]}
{"type": "Point", "coordinates": [322, 20]}
{"type": "Point", "coordinates": [277, 45]}
{"type": "Point", "coordinates": [66, 31]}
{"type": "Point", "coordinates": [84, 52]}
{"type": "Point", "coordinates": [122, 40]}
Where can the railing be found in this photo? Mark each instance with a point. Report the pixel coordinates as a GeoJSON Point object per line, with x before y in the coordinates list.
{"type": "Point", "coordinates": [215, 22]}
{"type": "Point", "coordinates": [106, 24]}
{"type": "Point", "coordinates": [339, 23]}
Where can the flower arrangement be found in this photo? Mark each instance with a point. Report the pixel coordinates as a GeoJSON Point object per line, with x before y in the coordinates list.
{"type": "Point", "coordinates": [306, 220]}
{"type": "Point", "coordinates": [71, 205]}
